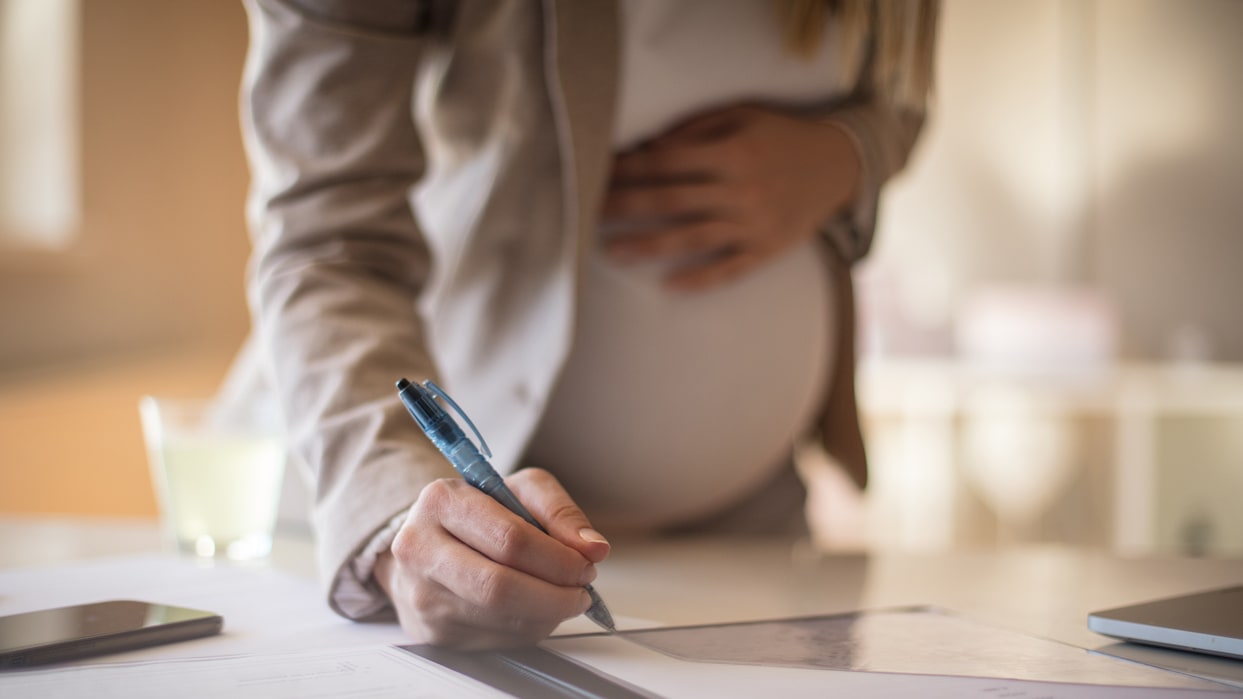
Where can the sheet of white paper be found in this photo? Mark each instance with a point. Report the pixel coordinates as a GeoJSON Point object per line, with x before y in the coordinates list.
{"type": "Point", "coordinates": [281, 640]}
{"type": "Point", "coordinates": [386, 671]}
{"type": "Point", "coordinates": [373, 671]}
{"type": "Point", "coordinates": [671, 677]}
{"type": "Point", "coordinates": [914, 641]}
{"type": "Point", "coordinates": [264, 610]}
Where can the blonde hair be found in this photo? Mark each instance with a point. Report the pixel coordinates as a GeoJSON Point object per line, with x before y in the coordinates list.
{"type": "Point", "coordinates": [892, 40]}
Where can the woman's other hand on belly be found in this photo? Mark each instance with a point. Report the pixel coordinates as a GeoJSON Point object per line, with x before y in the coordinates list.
{"type": "Point", "coordinates": [727, 191]}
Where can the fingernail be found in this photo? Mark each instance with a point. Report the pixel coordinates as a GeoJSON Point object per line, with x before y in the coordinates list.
{"type": "Point", "coordinates": [588, 576]}
{"type": "Point", "coordinates": [589, 534]}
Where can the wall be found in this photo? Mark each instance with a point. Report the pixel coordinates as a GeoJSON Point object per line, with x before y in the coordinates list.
{"type": "Point", "coordinates": [158, 261]}
{"type": "Point", "coordinates": [1092, 144]}
{"type": "Point", "coordinates": [149, 296]}
{"type": "Point", "coordinates": [994, 193]}
{"type": "Point", "coordinates": [1168, 150]}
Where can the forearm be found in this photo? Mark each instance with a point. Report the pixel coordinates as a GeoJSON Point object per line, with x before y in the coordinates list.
{"type": "Point", "coordinates": [883, 138]}
{"type": "Point", "coordinates": [338, 260]}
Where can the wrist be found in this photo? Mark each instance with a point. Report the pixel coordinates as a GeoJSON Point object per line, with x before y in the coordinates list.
{"type": "Point", "coordinates": [382, 573]}
{"type": "Point", "coordinates": [844, 166]}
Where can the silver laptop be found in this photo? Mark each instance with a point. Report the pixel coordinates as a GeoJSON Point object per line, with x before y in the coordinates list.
{"type": "Point", "coordinates": [1204, 622]}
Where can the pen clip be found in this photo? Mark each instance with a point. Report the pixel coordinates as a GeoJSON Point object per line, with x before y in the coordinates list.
{"type": "Point", "coordinates": [440, 393]}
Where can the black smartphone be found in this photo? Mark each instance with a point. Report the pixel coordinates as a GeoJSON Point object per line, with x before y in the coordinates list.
{"type": "Point", "coordinates": [67, 633]}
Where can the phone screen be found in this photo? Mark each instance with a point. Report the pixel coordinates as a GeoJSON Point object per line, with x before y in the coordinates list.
{"type": "Point", "coordinates": [102, 627]}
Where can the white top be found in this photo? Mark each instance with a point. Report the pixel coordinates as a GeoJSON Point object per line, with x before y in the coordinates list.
{"type": "Point", "coordinates": [675, 404]}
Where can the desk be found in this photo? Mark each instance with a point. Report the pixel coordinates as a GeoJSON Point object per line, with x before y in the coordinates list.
{"type": "Point", "coordinates": [1043, 591]}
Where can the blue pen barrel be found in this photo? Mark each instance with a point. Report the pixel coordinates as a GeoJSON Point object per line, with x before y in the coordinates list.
{"type": "Point", "coordinates": [479, 473]}
{"type": "Point", "coordinates": [471, 464]}
{"type": "Point", "coordinates": [449, 438]}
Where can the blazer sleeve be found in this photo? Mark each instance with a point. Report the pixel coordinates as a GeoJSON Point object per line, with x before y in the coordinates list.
{"type": "Point", "coordinates": [883, 137]}
{"type": "Point", "coordinates": [338, 261]}
{"type": "Point", "coordinates": [884, 134]}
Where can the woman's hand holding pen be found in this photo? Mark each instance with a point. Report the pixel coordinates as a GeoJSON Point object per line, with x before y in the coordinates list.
{"type": "Point", "coordinates": [732, 189]}
{"type": "Point", "coordinates": [466, 572]}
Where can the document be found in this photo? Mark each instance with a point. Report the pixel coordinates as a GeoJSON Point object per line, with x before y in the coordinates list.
{"type": "Point", "coordinates": [665, 676]}
{"type": "Point", "coordinates": [914, 652]}
{"type": "Point", "coordinates": [375, 671]}
{"type": "Point", "coordinates": [388, 671]}
{"type": "Point", "coordinates": [917, 640]}
{"type": "Point", "coordinates": [264, 610]}
{"type": "Point", "coordinates": [281, 641]}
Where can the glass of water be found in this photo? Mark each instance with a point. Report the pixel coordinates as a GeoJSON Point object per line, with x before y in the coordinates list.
{"type": "Point", "coordinates": [216, 473]}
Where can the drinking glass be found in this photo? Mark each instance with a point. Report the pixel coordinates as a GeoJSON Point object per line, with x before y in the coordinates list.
{"type": "Point", "coordinates": [216, 474]}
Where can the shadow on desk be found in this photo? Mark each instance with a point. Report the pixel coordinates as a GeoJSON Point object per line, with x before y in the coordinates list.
{"type": "Point", "coordinates": [1221, 670]}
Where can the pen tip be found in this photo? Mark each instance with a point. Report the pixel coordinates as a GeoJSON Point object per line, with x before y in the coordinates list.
{"type": "Point", "coordinates": [600, 614]}
{"type": "Point", "coordinates": [401, 384]}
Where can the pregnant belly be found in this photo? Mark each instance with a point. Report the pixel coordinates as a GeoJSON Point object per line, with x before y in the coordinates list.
{"type": "Point", "coordinates": [673, 404]}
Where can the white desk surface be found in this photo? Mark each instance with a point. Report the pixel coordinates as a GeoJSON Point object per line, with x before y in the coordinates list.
{"type": "Point", "coordinates": [1046, 591]}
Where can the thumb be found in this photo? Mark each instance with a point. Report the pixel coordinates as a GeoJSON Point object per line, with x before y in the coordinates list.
{"type": "Point", "coordinates": [552, 506]}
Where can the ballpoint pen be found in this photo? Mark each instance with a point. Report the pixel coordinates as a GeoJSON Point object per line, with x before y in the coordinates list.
{"type": "Point", "coordinates": [447, 435]}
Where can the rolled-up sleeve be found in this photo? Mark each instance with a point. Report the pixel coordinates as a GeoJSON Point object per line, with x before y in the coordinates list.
{"type": "Point", "coordinates": [338, 261]}
{"type": "Point", "coordinates": [883, 136]}
{"type": "Point", "coordinates": [884, 132]}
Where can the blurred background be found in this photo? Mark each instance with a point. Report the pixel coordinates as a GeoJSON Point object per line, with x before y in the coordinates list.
{"type": "Point", "coordinates": [1052, 347]}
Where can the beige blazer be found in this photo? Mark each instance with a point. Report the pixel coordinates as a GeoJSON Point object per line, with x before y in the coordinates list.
{"type": "Point", "coordinates": [491, 121]}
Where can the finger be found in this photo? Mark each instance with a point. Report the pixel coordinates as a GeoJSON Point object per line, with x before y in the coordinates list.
{"type": "Point", "coordinates": [682, 239]}
{"type": "Point", "coordinates": [556, 510]}
{"type": "Point", "coordinates": [497, 597]}
{"type": "Point", "coordinates": [431, 578]}
{"type": "Point", "coordinates": [450, 580]}
{"type": "Point", "coordinates": [666, 200]}
{"type": "Point", "coordinates": [668, 163]}
{"type": "Point", "coordinates": [486, 527]}
{"type": "Point", "coordinates": [698, 148]}
{"type": "Point", "coordinates": [466, 637]}
{"type": "Point", "coordinates": [714, 273]}
{"type": "Point", "coordinates": [435, 614]}
{"type": "Point", "coordinates": [706, 126]}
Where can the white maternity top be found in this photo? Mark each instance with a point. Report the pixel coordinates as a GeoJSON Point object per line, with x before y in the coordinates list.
{"type": "Point", "coordinates": [673, 405]}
